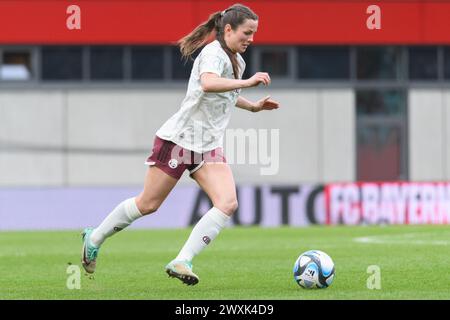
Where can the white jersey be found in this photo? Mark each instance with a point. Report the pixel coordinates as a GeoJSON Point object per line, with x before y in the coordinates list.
{"type": "Point", "coordinates": [200, 123]}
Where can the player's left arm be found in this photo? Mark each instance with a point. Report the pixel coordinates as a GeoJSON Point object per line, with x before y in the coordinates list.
{"type": "Point", "coordinates": [262, 104]}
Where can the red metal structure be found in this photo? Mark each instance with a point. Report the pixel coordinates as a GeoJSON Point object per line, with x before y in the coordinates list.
{"type": "Point", "coordinates": [282, 22]}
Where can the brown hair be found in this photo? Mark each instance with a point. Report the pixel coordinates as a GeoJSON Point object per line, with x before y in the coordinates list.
{"type": "Point", "coordinates": [234, 16]}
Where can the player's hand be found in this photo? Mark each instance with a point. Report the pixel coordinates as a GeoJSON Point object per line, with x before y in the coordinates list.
{"type": "Point", "coordinates": [265, 104]}
{"type": "Point", "coordinates": [259, 77]}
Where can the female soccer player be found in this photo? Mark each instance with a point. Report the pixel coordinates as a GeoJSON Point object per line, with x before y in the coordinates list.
{"type": "Point", "coordinates": [192, 139]}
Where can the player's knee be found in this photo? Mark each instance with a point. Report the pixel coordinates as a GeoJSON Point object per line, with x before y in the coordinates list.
{"type": "Point", "coordinates": [147, 207]}
{"type": "Point", "coordinates": [228, 206]}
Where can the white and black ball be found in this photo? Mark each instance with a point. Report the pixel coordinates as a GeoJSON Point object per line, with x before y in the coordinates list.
{"type": "Point", "coordinates": [314, 269]}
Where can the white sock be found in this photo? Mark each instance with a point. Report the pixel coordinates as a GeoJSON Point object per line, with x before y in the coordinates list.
{"type": "Point", "coordinates": [205, 231]}
{"type": "Point", "coordinates": [120, 218]}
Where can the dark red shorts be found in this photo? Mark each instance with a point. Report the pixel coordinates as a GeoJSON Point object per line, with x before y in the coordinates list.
{"type": "Point", "coordinates": [174, 159]}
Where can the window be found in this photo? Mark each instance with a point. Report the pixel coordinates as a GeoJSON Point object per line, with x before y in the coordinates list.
{"type": "Point", "coordinates": [323, 62]}
{"type": "Point", "coordinates": [380, 103]}
{"type": "Point", "coordinates": [423, 63]}
{"type": "Point", "coordinates": [275, 61]}
{"type": "Point", "coordinates": [247, 56]}
{"type": "Point", "coordinates": [181, 68]}
{"type": "Point", "coordinates": [378, 63]}
{"type": "Point", "coordinates": [106, 63]}
{"type": "Point", "coordinates": [147, 62]}
{"type": "Point", "coordinates": [61, 63]}
{"type": "Point", "coordinates": [15, 65]}
{"type": "Point", "coordinates": [447, 63]}
{"type": "Point", "coordinates": [381, 135]}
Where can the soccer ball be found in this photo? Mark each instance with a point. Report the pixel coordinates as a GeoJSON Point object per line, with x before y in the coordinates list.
{"type": "Point", "coordinates": [314, 269]}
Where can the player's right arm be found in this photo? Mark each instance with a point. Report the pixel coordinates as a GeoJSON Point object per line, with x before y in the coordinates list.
{"type": "Point", "coordinates": [212, 82]}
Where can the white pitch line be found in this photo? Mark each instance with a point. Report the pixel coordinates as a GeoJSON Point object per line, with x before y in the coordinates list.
{"type": "Point", "coordinates": [404, 239]}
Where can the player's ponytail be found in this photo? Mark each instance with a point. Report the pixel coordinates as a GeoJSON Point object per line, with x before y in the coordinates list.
{"type": "Point", "coordinates": [194, 40]}
{"type": "Point", "coordinates": [234, 16]}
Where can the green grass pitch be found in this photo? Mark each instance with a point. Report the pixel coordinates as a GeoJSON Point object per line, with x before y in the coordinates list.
{"type": "Point", "coordinates": [242, 263]}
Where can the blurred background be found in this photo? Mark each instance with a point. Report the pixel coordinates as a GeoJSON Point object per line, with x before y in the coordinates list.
{"type": "Point", "coordinates": [364, 117]}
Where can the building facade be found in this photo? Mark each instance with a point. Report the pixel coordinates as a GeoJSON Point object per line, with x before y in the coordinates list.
{"type": "Point", "coordinates": [364, 96]}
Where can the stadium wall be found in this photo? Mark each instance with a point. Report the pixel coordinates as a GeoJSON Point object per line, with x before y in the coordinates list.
{"type": "Point", "coordinates": [429, 134]}
{"type": "Point", "coordinates": [102, 137]}
{"type": "Point", "coordinates": [92, 137]}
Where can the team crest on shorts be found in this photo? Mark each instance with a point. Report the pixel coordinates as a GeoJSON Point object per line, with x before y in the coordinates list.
{"type": "Point", "coordinates": [173, 163]}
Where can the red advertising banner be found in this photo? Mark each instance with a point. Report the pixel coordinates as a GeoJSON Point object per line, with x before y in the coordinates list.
{"type": "Point", "coordinates": [281, 22]}
{"type": "Point", "coordinates": [387, 203]}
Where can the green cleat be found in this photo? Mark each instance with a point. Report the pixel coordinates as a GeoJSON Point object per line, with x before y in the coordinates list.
{"type": "Point", "coordinates": [89, 252]}
{"type": "Point", "coordinates": [182, 270]}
